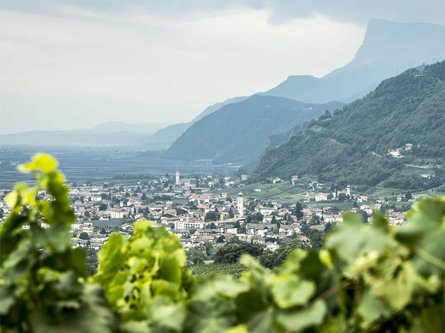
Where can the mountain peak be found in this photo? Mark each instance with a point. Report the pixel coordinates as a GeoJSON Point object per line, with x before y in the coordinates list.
{"type": "Point", "coordinates": [388, 48]}
{"type": "Point", "coordinates": [381, 23]}
{"type": "Point", "coordinates": [303, 77]}
{"type": "Point", "coordinates": [404, 45]}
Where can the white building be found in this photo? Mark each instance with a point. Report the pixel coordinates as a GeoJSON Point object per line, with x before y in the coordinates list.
{"type": "Point", "coordinates": [276, 180]}
{"type": "Point", "coordinates": [395, 153]}
{"type": "Point", "coordinates": [366, 209]}
{"type": "Point", "coordinates": [116, 214]}
{"type": "Point", "coordinates": [266, 211]}
{"type": "Point", "coordinates": [321, 197]}
{"type": "Point", "coordinates": [189, 225]}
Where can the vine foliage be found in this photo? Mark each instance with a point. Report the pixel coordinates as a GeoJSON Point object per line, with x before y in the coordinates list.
{"type": "Point", "coordinates": [367, 278]}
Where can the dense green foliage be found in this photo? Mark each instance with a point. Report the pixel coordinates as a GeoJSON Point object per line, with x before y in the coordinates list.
{"type": "Point", "coordinates": [229, 254]}
{"type": "Point", "coordinates": [366, 278]}
{"type": "Point", "coordinates": [232, 252]}
{"type": "Point", "coordinates": [198, 254]}
{"type": "Point", "coordinates": [42, 279]}
{"type": "Point", "coordinates": [351, 146]}
{"type": "Point", "coordinates": [276, 258]}
{"type": "Point", "coordinates": [212, 216]}
{"type": "Point", "coordinates": [212, 270]}
{"type": "Point", "coordinates": [144, 277]}
{"type": "Point", "coordinates": [240, 132]}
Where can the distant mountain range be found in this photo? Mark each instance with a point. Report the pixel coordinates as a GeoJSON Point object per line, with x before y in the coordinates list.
{"type": "Point", "coordinates": [393, 137]}
{"type": "Point", "coordinates": [107, 134]}
{"type": "Point", "coordinates": [153, 136]}
{"type": "Point", "coordinates": [239, 132]}
{"type": "Point", "coordinates": [388, 48]}
{"type": "Point", "coordinates": [117, 126]}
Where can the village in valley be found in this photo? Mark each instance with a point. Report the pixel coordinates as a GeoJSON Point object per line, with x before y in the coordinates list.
{"type": "Point", "coordinates": [213, 209]}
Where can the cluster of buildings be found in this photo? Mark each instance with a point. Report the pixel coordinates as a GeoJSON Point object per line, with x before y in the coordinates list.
{"type": "Point", "coordinates": [200, 209]}
{"type": "Point", "coordinates": [397, 153]}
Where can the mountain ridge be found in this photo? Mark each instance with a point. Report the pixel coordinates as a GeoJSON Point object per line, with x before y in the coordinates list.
{"type": "Point", "coordinates": [106, 134]}
{"type": "Point", "coordinates": [387, 49]}
{"type": "Point", "coordinates": [360, 144]}
{"type": "Point", "coordinates": [239, 132]}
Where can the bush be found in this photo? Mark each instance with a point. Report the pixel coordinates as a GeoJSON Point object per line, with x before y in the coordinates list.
{"type": "Point", "coordinates": [231, 252]}
{"type": "Point", "coordinates": [84, 235]}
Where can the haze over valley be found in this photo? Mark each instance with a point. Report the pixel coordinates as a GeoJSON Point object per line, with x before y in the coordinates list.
{"type": "Point", "coordinates": [239, 129]}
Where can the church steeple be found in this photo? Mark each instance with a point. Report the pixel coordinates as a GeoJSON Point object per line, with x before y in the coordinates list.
{"type": "Point", "coordinates": [177, 176]}
{"type": "Point", "coordinates": [240, 204]}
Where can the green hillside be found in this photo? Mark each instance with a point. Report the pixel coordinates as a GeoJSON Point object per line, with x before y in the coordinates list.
{"type": "Point", "coordinates": [352, 146]}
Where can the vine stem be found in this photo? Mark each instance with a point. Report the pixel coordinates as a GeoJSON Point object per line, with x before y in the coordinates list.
{"type": "Point", "coordinates": [430, 258]}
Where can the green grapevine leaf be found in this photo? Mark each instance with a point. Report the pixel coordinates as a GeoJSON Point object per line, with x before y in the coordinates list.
{"type": "Point", "coordinates": [297, 322]}
{"type": "Point", "coordinates": [289, 290]}
{"type": "Point", "coordinates": [353, 239]}
{"type": "Point", "coordinates": [425, 235]}
{"type": "Point", "coordinates": [371, 308]}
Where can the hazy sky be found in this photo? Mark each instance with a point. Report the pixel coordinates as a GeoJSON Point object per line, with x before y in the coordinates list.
{"type": "Point", "coordinates": [73, 64]}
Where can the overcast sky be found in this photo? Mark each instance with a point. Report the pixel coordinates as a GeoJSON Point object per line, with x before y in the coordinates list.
{"type": "Point", "coordinates": [74, 64]}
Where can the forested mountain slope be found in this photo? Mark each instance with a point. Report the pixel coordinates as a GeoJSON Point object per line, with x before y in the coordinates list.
{"type": "Point", "coordinates": [240, 132]}
{"type": "Point", "coordinates": [360, 144]}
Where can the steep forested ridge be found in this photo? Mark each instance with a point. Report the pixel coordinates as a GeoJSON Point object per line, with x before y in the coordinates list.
{"type": "Point", "coordinates": [352, 146]}
{"type": "Point", "coordinates": [240, 132]}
